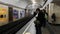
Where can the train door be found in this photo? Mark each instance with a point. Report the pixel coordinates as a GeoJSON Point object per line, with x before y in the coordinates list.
{"type": "Point", "coordinates": [10, 14]}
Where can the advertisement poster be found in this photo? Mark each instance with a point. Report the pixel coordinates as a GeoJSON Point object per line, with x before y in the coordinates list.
{"type": "Point", "coordinates": [3, 12]}
{"type": "Point", "coordinates": [15, 14]}
{"type": "Point", "coordinates": [22, 13]}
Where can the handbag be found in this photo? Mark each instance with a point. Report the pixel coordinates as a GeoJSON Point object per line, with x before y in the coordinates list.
{"type": "Point", "coordinates": [37, 22]}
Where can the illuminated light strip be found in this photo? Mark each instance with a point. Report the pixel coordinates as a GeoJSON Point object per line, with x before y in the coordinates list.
{"type": "Point", "coordinates": [33, 1]}
{"type": "Point", "coordinates": [49, 8]}
{"type": "Point", "coordinates": [27, 33]}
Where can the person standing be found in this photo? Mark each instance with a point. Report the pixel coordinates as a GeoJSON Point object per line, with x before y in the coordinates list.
{"type": "Point", "coordinates": [53, 17]}
{"type": "Point", "coordinates": [45, 17]}
{"type": "Point", "coordinates": [41, 19]}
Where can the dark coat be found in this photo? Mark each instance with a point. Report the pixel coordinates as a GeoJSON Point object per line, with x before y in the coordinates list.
{"type": "Point", "coordinates": [35, 13]}
{"type": "Point", "coordinates": [53, 16]}
{"type": "Point", "coordinates": [41, 16]}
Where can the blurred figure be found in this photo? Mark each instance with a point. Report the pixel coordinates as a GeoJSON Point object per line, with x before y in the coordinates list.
{"type": "Point", "coordinates": [53, 17]}
{"type": "Point", "coordinates": [34, 13]}
{"type": "Point", "coordinates": [38, 23]}
{"type": "Point", "coordinates": [45, 17]}
{"type": "Point", "coordinates": [41, 20]}
{"type": "Point", "coordinates": [45, 12]}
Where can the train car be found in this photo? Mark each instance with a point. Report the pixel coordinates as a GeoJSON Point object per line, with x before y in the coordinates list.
{"type": "Point", "coordinates": [3, 14]}
{"type": "Point", "coordinates": [18, 13]}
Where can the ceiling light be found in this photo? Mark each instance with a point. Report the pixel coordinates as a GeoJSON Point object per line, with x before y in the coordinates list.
{"type": "Point", "coordinates": [33, 1]}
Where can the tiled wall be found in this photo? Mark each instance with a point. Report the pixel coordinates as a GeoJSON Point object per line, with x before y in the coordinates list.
{"type": "Point", "coordinates": [54, 8]}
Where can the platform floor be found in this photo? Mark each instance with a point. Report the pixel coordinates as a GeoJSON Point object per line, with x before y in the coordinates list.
{"type": "Point", "coordinates": [45, 30]}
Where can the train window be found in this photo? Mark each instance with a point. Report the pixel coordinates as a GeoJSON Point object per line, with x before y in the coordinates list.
{"type": "Point", "coordinates": [4, 16]}
{"type": "Point", "coordinates": [1, 16]}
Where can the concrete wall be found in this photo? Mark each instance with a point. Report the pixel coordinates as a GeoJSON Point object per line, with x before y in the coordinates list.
{"type": "Point", "coordinates": [56, 10]}
{"type": "Point", "coordinates": [53, 8]}
{"type": "Point", "coordinates": [50, 11]}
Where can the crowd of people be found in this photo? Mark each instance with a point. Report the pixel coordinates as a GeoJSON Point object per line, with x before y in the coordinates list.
{"type": "Point", "coordinates": [41, 19]}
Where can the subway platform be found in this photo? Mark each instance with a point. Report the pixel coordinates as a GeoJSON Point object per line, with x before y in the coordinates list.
{"type": "Point", "coordinates": [28, 27]}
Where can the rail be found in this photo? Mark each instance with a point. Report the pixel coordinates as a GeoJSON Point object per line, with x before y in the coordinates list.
{"type": "Point", "coordinates": [13, 27]}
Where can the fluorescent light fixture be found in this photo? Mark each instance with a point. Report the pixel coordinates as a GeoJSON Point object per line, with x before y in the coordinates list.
{"type": "Point", "coordinates": [27, 33]}
{"type": "Point", "coordinates": [33, 1]}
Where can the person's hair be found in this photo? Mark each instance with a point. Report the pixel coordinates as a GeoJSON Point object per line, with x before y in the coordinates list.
{"type": "Point", "coordinates": [37, 9]}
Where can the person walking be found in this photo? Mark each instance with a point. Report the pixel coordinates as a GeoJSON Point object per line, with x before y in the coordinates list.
{"type": "Point", "coordinates": [53, 17]}
{"type": "Point", "coordinates": [40, 21]}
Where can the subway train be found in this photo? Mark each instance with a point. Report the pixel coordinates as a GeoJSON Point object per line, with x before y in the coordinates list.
{"type": "Point", "coordinates": [9, 14]}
